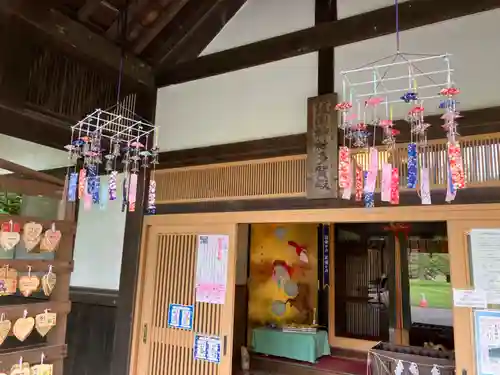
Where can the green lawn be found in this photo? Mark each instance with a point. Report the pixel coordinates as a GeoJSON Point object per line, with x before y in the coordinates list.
{"type": "Point", "coordinates": [437, 293]}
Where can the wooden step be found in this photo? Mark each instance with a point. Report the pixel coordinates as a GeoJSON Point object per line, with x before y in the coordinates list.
{"type": "Point", "coordinates": [263, 365]}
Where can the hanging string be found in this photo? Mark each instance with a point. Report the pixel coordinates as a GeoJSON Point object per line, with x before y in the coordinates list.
{"type": "Point", "coordinates": [397, 26]}
{"type": "Point", "coordinates": [123, 27]}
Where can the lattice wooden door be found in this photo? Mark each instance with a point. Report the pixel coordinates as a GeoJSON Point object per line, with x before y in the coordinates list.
{"type": "Point", "coordinates": [168, 273]}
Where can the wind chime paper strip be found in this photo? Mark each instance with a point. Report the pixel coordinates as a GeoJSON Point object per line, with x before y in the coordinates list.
{"type": "Point", "coordinates": [450, 189]}
{"type": "Point", "coordinates": [211, 268]}
{"type": "Point", "coordinates": [81, 183]}
{"type": "Point", "coordinates": [369, 199]}
{"type": "Point", "coordinates": [386, 182]}
{"type": "Point", "coordinates": [359, 184]}
{"type": "Point", "coordinates": [344, 167]}
{"type": "Point", "coordinates": [87, 197]}
{"type": "Point", "coordinates": [346, 194]}
{"type": "Point", "coordinates": [456, 165]}
{"type": "Point", "coordinates": [371, 179]}
{"type": "Point", "coordinates": [112, 185]}
{"type": "Point", "coordinates": [395, 186]}
{"type": "Point", "coordinates": [72, 187]}
{"type": "Point", "coordinates": [96, 189]}
{"type": "Point", "coordinates": [412, 165]}
{"type": "Point", "coordinates": [152, 197]}
{"type": "Point", "coordinates": [125, 193]}
{"type": "Point", "coordinates": [103, 201]}
{"type": "Point", "coordinates": [132, 193]}
{"type": "Point", "coordinates": [425, 189]}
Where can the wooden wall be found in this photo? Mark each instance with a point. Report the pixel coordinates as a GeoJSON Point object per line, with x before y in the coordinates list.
{"type": "Point", "coordinates": [90, 332]}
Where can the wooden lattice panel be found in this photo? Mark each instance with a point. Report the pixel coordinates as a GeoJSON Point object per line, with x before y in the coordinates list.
{"type": "Point", "coordinates": [480, 153]}
{"type": "Point", "coordinates": [172, 349]}
{"type": "Point", "coordinates": [286, 176]}
{"type": "Point", "coordinates": [255, 179]}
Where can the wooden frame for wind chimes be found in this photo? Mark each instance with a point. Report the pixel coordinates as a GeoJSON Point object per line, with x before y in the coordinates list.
{"type": "Point", "coordinates": [34, 301]}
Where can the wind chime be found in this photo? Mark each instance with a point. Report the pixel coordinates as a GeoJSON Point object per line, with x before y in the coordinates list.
{"type": "Point", "coordinates": [388, 83]}
{"type": "Point", "coordinates": [120, 140]}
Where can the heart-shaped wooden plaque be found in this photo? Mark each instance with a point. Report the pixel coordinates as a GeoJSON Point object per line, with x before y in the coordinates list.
{"type": "Point", "coordinates": [50, 240]}
{"type": "Point", "coordinates": [5, 326]}
{"type": "Point", "coordinates": [28, 285]}
{"type": "Point", "coordinates": [23, 327]}
{"type": "Point", "coordinates": [9, 240]}
{"type": "Point", "coordinates": [8, 281]}
{"type": "Point", "coordinates": [48, 283]}
{"type": "Point", "coordinates": [31, 235]}
{"type": "Point", "coordinates": [42, 369]}
{"type": "Point", "coordinates": [44, 322]}
{"type": "Point", "coordinates": [23, 369]}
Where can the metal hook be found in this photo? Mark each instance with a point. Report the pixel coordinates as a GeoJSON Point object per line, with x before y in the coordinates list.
{"type": "Point", "coordinates": [42, 357]}
{"type": "Point", "coordinates": [25, 314]}
{"type": "Point", "coordinates": [29, 271]}
{"type": "Point", "coordinates": [50, 269]}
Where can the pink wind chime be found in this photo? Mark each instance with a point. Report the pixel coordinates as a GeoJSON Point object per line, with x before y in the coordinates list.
{"type": "Point", "coordinates": [392, 83]}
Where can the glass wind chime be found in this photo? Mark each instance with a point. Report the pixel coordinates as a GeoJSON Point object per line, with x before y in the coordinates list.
{"type": "Point", "coordinates": [110, 141]}
{"type": "Point", "coordinates": [114, 140]}
{"type": "Point", "coordinates": [370, 96]}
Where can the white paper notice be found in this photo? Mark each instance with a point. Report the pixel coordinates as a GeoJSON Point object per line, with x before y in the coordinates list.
{"type": "Point", "coordinates": [211, 268]}
{"type": "Point", "coordinates": [485, 259]}
{"type": "Point", "coordinates": [469, 298]}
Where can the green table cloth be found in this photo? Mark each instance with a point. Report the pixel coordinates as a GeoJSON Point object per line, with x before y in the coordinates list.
{"type": "Point", "coordinates": [306, 347]}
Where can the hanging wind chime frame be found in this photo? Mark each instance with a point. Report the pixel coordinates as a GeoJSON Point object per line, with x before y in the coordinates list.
{"type": "Point", "coordinates": [122, 141]}
{"type": "Point", "coordinates": [114, 125]}
{"type": "Point", "coordinates": [370, 94]}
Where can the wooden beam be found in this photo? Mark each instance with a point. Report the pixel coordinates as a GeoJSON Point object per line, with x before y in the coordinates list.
{"type": "Point", "coordinates": [168, 13]}
{"type": "Point", "coordinates": [465, 196]}
{"type": "Point", "coordinates": [191, 31]}
{"type": "Point", "coordinates": [476, 121]}
{"type": "Point", "coordinates": [87, 9]}
{"type": "Point", "coordinates": [30, 174]}
{"type": "Point", "coordinates": [412, 14]}
{"type": "Point", "coordinates": [135, 7]}
{"type": "Point", "coordinates": [34, 127]}
{"type": "Point", "coordinates": [78, 40]}
{"type": "Point", "coordinates": [326, 11]}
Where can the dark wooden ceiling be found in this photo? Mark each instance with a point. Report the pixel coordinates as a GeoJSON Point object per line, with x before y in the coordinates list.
{"type": "Point", "coordinates": [158, 31]}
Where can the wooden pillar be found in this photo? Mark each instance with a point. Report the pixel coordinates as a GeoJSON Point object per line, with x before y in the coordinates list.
{"type": "Point", "coordinates": [146, 105]}
{"type": "Point", "coordinates": [325, 11]}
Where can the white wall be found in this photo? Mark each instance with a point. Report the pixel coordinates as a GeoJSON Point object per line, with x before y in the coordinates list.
{"type": "Point", "coordinates": [349, 8]}
{"type": "Point", "coordinates": [270, 100]}
{"type": "Point", "coordinates": [265, 101]}
{"type": "Point", "coordinates": [31, 155]}
{"type": "Point", "coordinates": [99, 245]}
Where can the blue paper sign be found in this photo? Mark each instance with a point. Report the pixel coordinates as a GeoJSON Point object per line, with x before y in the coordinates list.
{"type": "Point", "coordinates": [326, 255]}
{"type": "Point", "coordinates": [207, 348]}
{"type": "Point", "coordinates": [180, 316]}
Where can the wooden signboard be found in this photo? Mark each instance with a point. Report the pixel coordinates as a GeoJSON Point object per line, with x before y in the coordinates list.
{"type": "Point", "coordinates": [322, 147]}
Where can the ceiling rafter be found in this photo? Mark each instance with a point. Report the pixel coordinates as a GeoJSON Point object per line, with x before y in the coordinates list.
{"type": "Point", "coordinates": [412, 14]}
{"type": "Point", "coordinates": [192, 30]}
{"type": "Point", "coordinates": [135, 8]}
{"type": "Point", "coordinates": [86, 11]}
{"type": "Point", "coordinates": [168, 13]}
{"type": "Point", "coordinates": [76, 39]}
